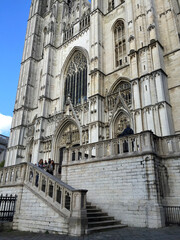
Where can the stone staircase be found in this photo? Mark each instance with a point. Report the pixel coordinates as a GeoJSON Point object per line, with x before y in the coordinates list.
{"type": "Point", "coordinates": [66, 212]}
{"type": "Point", "coordinates": [99, 220]}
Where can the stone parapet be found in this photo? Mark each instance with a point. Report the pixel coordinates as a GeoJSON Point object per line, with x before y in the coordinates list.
{"type": "Point", "coordinates": [130, 146]}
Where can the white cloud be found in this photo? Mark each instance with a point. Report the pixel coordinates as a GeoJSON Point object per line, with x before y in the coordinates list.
{"type": "Point", "coordinates": [5, 124]}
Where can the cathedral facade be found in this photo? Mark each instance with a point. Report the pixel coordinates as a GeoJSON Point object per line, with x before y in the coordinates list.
{"type": "Point", "coordinates": [88, 71]}
{"type": "Point", "coordinates": [112, 62]}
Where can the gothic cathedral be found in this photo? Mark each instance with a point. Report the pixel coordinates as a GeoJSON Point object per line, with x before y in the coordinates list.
{"type": "Point", "coordinates": [90, 69]}
{"type": "Point", "coordinates": [99, 94]}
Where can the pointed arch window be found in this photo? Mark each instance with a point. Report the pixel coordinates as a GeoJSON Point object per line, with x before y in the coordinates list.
{"type": "Point", "coordinates": [124, 87]}
{"type": "Point", "coordinates": [120, 44]}
{"type": "Point", "coordinates": [76, 79]}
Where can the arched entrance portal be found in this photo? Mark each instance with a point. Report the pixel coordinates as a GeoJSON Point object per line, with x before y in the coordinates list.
{"type": "Point", "coordinates": [68, 137]}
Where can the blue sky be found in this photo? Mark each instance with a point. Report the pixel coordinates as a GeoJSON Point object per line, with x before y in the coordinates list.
{"type": "Point", "coordinates": [13, 23]}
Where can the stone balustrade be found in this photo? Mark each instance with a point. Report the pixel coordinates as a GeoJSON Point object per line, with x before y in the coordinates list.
{"type": "Point", "coordinates": [73, 29]}
{"type": "Point", "coordinates": [84, 22]}
{"type": "Point", "coordinates": [132, 144]}
{"type": "Point", "coordinates": [142, 143]}
{"type": "Point", "coordinates": [13, 175]}
{"type": "Point", "coordinates": [168, 146]}
{"type": "Point", "coordinates": [67, 201]}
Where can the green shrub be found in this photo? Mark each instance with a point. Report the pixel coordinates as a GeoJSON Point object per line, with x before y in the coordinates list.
{"type": "Point", "coordinates": [2, 164]}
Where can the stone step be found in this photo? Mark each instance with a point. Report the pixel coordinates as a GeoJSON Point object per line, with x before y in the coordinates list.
{"type": "Point", "coordinates": [103, 223]}
{"type": "Point", "coordinates": [100, 218]}
{"type": "Point", "coordinates": [96, 214]}
{"type": "Point", "coordinates": [90, 207]}
{"type": "Point", "coordinates": [104, 228]}
{"type": "Point", "coordinates": [93, 210]}
{"type": "Point", "coordinates": [88, 204]}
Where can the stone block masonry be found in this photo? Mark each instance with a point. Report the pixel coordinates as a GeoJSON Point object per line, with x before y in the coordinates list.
{"type": "Point", "coordinates": [34, 215]}
{"type": "Point", "coordinates": [125, 188]}
{"type": "Point", "coordinates": [171, 189]}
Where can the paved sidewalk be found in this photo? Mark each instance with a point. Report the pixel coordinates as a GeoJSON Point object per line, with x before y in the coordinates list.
{"type": "Point", "coordinates": [169, 233]}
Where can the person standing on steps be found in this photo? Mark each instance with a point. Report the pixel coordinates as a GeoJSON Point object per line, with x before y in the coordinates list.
{"type": "Point", "coordinates": [51, 167]}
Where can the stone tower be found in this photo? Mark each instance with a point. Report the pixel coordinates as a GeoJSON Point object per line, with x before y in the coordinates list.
{"type": "Point", "coordinates": [90, 69]}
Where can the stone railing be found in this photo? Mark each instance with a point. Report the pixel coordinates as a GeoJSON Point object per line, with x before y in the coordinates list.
{"type": "Point", "coordinates": [85, 22]}
{"type": "Point", "coordinates": [132, 144]}
{"type": "Point", "coordinates": [167, 146]}
{"type": "Point", "coordinates": [142, 143]}
{"type": "Point", "coordinates": [67, 201]}
{"type": "Point", "coordinates": [68, 33]}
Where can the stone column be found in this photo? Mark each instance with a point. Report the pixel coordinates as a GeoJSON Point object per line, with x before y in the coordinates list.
{"type": "Point", "coordinates": [159, 87]}
{"type": "Point", "coordinates": [78, 222]}
{"type": "Point", "coordinates": [136, 92]}
{"type": "Point", "coordinates": [96, 94]}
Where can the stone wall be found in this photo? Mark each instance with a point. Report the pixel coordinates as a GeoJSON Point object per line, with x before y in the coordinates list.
{"type": "Point", "coordinates": [125, 188]}
{"type": "Point", "coordinates": [172, 191]}
{"type": "Point", "coordinates": [34, 215]}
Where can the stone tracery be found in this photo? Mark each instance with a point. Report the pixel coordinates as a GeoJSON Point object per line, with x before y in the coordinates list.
{"type": "Point", "coordinates": [76, 79]}
{"type": "Point", "coordinates": [124, 88]}
{"type": "Point", "coordinates": [118, 105]}
{"type": "Point", "coordinates": [120, 43]}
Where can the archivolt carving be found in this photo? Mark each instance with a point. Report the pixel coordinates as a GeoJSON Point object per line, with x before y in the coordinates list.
{"type": "Point", "coordinates": [70, 136]}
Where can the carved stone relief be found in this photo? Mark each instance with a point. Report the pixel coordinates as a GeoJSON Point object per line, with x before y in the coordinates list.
{"type": "Point", "coordinates": [30, 131]}
{"type": "Point", "coordinates": [120, 124]}
{"type": "Point", "coordinates": [70, 136]}
{"type": "Point", "coordinates": [46, 146]}
{"type": "Point", "coordinates": [85, 136]}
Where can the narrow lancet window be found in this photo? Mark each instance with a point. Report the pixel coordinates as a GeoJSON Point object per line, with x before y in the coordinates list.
{"type": "Point", "coordinates": [120, 44]}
